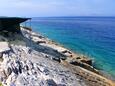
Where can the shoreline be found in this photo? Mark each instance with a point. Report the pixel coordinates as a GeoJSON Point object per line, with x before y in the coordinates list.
{"type": "Point", "coordinates": [76, 54]}
{"type": "Point", "coordinates": [82, 62]}
{"type": "Point", "coordinates": [101, 72]}
{"type": "Point", "coordinates": [29, 58]}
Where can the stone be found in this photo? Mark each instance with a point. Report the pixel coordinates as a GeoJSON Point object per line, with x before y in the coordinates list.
{"type": "Point", "coordinates": [20, 69]}
{"type": "Point", "coordinates": [51, 82]}
{"type": "Point", "coordinates": [56, 59]}
{"type": "Point", "coordinates": [63, 57]}
{"type": "Point", "coordinates": [78, 57]}
{"type": "Point", "coordinates": [15, 70]}
{"type": "Point", "coordinates": [12, 84]}
{"type": "Point", "coordinates": [19, 66]}
{"type": "Point", "coordinates": [61, 85]}
{"type": "Point", "coordinates": [89, 61]}
{"type": "Point", "coordinates": [4, 46]}
{"type": "Point", "coordinates": [30, 64]}
{"type": "Point", "coordinates": [9, 71]}
{"type": "Point", "coordinates": [46, 71]}
{"type": "Point", "coordinates": [22, 81]}
{"type": "Point", "coordinates": [38, 42]}
{"type": "Point", "coordinates": [1, 54]}
{"type": "Point", "coordinates": [26, 68]}
{"type": "Point", "coordinates": [9, 79]}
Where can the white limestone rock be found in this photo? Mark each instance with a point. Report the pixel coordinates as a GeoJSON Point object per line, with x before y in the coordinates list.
{"type": "Point", "coordinates": [31, 66]}
{"type": "Point", "coordinates": [4, 46]}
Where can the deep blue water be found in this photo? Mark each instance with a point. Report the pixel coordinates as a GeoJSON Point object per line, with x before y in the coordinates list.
{"type": "Point", "coordinates": [91, 36]}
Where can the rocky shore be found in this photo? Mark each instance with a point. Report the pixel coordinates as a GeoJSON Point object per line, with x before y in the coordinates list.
{"type": "Point", "coordinates": [29, 59]}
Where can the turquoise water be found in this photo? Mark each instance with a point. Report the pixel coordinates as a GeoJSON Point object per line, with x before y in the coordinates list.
{"type": "Point", "coordinates": [92, 36]}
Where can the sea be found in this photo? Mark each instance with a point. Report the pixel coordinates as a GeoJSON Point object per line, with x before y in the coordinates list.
{"type": "Point", "coordinates": [90, 36]}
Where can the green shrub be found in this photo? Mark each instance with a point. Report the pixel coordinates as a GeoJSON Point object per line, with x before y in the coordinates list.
{"type": "Point", "coordinates": [1, 84]}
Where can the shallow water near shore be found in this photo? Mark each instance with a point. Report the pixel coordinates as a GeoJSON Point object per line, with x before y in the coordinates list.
{"type": "Point", "coordinates": [91, 36]}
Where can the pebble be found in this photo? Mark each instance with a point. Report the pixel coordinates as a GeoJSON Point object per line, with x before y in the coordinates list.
{"type": "Point", "coordinates": [15, 70]}
{"type": "Point", "coordinates": [51, 82]}
{"type": "Point", "coordinates": [12, 84]}
{"type": "Point", "coordinates": [46, 71]}
{"type": "Point", "coordinates": [9, 71]}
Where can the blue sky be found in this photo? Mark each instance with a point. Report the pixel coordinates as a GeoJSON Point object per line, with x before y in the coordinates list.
{"type": "Point", "coordinates": [57, 8]}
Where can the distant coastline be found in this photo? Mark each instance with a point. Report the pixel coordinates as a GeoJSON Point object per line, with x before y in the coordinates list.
{"type": "Point", "coordinates": [75, 17]}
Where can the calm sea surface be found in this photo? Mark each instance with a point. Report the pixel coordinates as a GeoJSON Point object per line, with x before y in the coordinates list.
{"type": "Point", "coordinates": [92, 36]}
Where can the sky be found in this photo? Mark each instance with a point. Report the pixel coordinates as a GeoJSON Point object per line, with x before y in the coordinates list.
{"type": "Point", "coordinates": [47, 8]}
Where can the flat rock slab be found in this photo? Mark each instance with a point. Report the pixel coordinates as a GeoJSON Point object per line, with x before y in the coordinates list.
{"type": "Point", "coordinates": [4, 46]}
{"type": "Point", "coordinates": [55, 47]}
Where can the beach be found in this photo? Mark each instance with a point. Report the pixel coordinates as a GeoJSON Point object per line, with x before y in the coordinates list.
{"type": "Point", "coordinates": [30, 59]}
{"type": "Point", "coordinates": [79, 64]}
